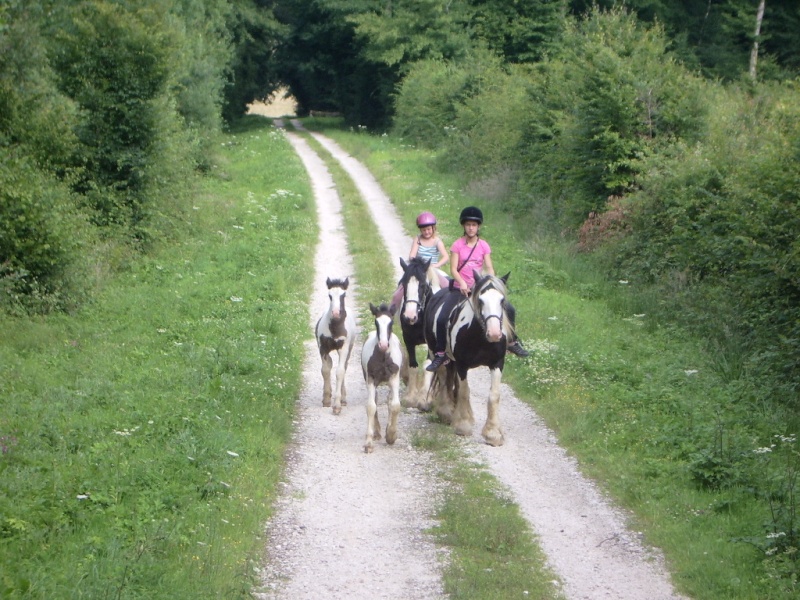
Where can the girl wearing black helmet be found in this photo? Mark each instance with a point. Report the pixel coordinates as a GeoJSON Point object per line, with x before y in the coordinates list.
{"type": "Point", "coordinates": [469, 252]}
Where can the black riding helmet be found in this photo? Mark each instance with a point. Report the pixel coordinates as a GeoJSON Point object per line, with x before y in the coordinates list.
{"type": "Point", "coordinates": [471, 213]}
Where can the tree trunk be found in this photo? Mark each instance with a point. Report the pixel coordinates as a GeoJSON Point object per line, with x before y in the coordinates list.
{"type": "Point", "coordinates": [756, 35]}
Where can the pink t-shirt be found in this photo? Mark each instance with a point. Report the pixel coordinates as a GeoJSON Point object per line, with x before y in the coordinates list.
{"type": "Point", "coordinates": [461, 251]}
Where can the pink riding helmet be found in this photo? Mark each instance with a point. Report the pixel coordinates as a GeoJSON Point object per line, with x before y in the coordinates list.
{"type": "Point", "coordinates": [425, 219]}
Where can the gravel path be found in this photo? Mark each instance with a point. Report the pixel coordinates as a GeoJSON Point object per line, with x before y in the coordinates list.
{"type": "Point", "coordinates": [352, 525]}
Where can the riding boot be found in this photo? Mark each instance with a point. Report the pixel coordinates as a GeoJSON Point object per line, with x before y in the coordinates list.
{"type": "Point", "coordinates": [516, 348]}
{"type": "Point", "coordinates": [439, 359]}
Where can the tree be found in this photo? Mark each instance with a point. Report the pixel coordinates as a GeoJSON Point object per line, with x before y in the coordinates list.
{"type": "Point", "coordinates": [756, 35]}
{"type": "Point", "coordinates": [518, 31]}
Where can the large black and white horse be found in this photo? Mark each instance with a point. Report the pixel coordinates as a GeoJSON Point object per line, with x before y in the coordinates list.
{"type": "Point", "coordinates": [335, 332]}
{"type": "Point", "coordinates": [381, 359]}
{"type": "Point", "coordinates": [417, 292]}
{"type": "Point", "coordinates": [477, 330]}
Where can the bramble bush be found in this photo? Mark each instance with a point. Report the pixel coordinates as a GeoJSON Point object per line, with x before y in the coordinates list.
{"type": "Point", "coordinates": [41, 234]}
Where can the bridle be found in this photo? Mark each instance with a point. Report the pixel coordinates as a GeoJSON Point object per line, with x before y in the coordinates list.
{"type": "Point", "coordinates": [423, 293]}
{"type": "Point", "coordinates": [479, 314]}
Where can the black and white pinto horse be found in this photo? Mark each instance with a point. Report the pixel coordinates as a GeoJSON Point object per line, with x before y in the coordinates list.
{"type": "Point", "coordinates": [335, 332]}
{"type": "Point", "coordinates": [477, 331]}
{"type": "Point", "coordinates": [381, 359]}
{"type": "Point", "coordinates": [417, 292]}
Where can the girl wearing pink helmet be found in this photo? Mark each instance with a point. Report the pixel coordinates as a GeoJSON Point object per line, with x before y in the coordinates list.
{"type": "Point", "coordinates": [427, 244]}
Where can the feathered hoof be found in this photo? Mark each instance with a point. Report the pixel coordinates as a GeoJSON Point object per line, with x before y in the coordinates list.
{"type": "Point", "coordinates": [424, 406]}
{"type": "Point", "coordinates": [494, 438]}
{"type": "Point", "coordinates": [463, 428]}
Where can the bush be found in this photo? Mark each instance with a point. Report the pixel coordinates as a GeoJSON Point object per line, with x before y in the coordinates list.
{"type": "Point", "coordinates": [40, 238]}
{"type": "Point", "coordinates": [425, 105]}
{"type": "Point", "coordinates": [116, 64]}
{"type": "Point", "coordinates": [611, 98]}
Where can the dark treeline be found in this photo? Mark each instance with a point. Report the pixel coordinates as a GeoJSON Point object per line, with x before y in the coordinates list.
{"type": "Point", "coordinates": [662, 135]}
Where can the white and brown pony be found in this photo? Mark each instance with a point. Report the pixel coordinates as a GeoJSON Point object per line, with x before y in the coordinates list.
{"type": "Point", "coordinates": [335, 332]}
{"type": "Point", "coordinates": [381, 359]}
{"type": "Point", "coordinates": [477, 331]}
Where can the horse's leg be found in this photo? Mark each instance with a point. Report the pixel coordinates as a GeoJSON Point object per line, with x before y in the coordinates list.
{"type": "Point", "coordinates": [426, 393]}
{"type": "Point", "coordinates": [463, 420]}
{"type": "Point", "coordinates": [444, 396]}
{"type": "Point", "coordinates": [341, 370]}
{"type": "Point", "coordinates": [372, 410]}
{"type": "Point", "coordinates": [327, 365]}
{"type": "Point", "coordinates": [492, 432]}
{"type": "Point", "coordinates": [394, 409]}
{"type": "Point", "coordinates": [344, 382]}
{"type": "Point", "coordinates": [411, 399]}
{"type": "Point", "coordinates": [410, 365]}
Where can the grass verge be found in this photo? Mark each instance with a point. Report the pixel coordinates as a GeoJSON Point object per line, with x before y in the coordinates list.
{"type": "Point", "coordinates": [142, 439]}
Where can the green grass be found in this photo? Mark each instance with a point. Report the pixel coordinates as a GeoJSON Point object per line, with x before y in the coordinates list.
{"type": "Point", "coordinates": [644, 405]}
{"type": "Point", "coordinates": [144, 436]}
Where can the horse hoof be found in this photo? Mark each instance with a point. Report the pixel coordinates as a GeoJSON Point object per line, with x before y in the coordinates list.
{"type": "Point", "coordinates": [462, 429]}
{"type": "Point", "coordinates": [326, 403]}
{"type": "Point", "coordinates": [337, 410]}
{"type": "Point", "coordinates": [494, 438]}
{"type": "Point", "coordinates": [344, 402]}
{"type": "Point", "coordinates": [368, 448]}
{"type": "Point", "coordinates": [391, 438]}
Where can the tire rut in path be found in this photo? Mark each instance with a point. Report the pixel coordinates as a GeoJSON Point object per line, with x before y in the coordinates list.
{"type": "Point", "coordinates": [585, 538]}
{"type": "Point", "coordinates": [347, 525]}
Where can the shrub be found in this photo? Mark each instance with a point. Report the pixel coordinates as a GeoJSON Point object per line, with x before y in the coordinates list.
{"type": "Point", "coordinates": [40, 238]}
{"type": "Point", "coordinates": [425, 104]}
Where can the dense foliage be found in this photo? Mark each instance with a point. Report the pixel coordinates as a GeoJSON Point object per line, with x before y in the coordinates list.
{"type": "Point", "coordinates": [107, 108]}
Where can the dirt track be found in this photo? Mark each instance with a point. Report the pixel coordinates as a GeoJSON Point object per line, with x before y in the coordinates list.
{"type": "Point", "coordinates": [352, 525]}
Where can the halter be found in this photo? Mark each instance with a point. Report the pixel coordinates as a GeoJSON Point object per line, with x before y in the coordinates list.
{"type": "Point", "coordinates": [423, 291]}
{"type": "Point", "coordinates": [476, 305]}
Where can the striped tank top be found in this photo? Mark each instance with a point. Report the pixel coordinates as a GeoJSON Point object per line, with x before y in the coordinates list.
{"type": "Point", "coordinates": [432, 253]}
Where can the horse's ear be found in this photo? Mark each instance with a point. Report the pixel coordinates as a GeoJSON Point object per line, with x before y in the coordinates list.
{"type": "Point", "coordinates": [403, 264]}
{"type": "Point", "coordinates": [427, 264]}
{"type": "Point", "coordinates": [346, 283]}
{"type": "Point", "coordinates": [392, 309]}
{"type": "Point", "coordinates": [328, 282]}
{"type": "Point", "coordinates": [504, 278]}
{"type": "Point", "coordinates": [373, 309]}
{"type": "Point", "coordinates": [476, 276]}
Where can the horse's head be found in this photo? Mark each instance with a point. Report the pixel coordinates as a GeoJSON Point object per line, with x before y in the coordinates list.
{"type": "Point", "coordinates": [384, 317]}
{"type": "Point", "coordinates": [416, 287]}
{"type": "Point", "coordinates": [337, 289]}
{"type": "Point", "coordinates": [488, 303]}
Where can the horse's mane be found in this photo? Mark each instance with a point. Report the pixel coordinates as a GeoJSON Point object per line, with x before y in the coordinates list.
{"type": "Point", "coordinates": [498, 284]}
